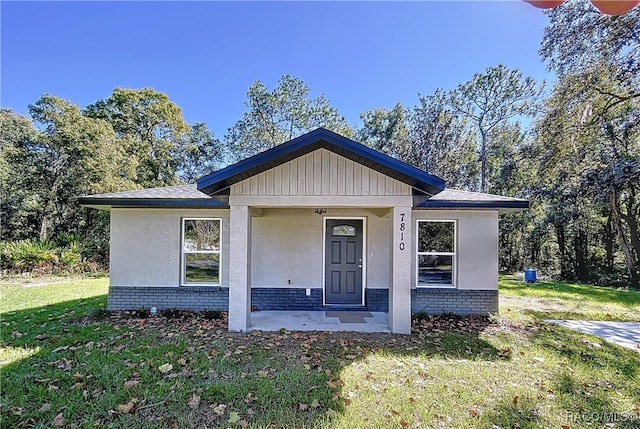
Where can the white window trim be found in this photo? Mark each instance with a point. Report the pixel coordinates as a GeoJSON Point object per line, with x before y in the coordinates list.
{"type": "Point", "coordinates": [454, 254]}
{"type": "Point", "coordinates": [183, 271]}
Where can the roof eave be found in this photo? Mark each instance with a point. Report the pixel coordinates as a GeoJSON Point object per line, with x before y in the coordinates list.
{"type": "Point", "coordinates": [107, 203]}
{"type": "Point", "coordinates": [516, 205]}
{"type": "Point", "coordinates": [501, 206]}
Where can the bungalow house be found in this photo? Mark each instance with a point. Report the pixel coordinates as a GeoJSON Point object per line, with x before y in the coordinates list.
{"type": "Point", "coordinates": [319, 222]}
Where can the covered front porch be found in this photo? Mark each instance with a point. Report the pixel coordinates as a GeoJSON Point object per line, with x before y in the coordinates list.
{"type": "Point", "coordinates": [297, 267]}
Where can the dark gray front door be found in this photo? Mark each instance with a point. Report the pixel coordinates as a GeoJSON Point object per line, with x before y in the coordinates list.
{"type": "Point", "coordinates": [343, 262]}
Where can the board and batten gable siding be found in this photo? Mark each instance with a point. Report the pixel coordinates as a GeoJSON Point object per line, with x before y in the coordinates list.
{"type": "Point", "coordinates": [321, 173]}
{"type": "Point", "coordinates": [477, 246]}
{"type": "Point", "coordinates": [146, 249]}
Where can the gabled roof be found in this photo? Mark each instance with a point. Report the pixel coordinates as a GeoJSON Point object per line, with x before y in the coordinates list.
{"type": "Point", "coordinates": [183, 196]}
{"type": "Point", "coordinates": [453, 198]}
{"type": "Point", "coordinates": [211, 189]}
{"type": "Point", "coordinates": [219, 182]}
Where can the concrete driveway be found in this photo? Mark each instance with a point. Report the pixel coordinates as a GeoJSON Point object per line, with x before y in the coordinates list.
{"type": "Point", "coordinates": [625, 334]}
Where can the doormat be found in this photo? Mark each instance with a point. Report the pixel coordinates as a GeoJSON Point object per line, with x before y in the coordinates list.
{"type": "Point", "coordinates": [349, 316]}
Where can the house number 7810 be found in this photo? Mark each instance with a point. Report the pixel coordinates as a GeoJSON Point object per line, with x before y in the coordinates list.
{"type": "Point", "coordinates": [402, 228]}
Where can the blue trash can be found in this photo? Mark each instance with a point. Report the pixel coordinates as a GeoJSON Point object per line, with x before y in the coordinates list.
{"type": "Point", "coordinates": [530, 275]}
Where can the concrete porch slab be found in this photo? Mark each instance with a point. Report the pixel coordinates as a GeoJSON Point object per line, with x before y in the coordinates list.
{"type": "Point", "coordinates": [317, 321]}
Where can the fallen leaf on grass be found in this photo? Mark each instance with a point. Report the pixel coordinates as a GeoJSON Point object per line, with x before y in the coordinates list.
{"type": "Point", "coordinates": [129, 384]}
{"type": "Point", "coordinates": [128, 407]}
{"type": "Point", "coordinates": [58, 420]}
{"type": "Point", "coordinates": [194, 402]}
{"type": "Point", "coordinates": [515, 400]}
{"type": "Point", "coordinates": [315, 404]}
{"type": "Point", "coordinates": [165, 368]}
{"type": "Point", "coordinates": [45, 407]}
{"type": "Point", "coordinates": [331, 413]}
{"type": "Point", "coordinates": [394, 412]}
{"type": "Point", "coordinates": [404, 423]}
{"type": "Point", "coordinates": [303, 407]}
{"type": "Point", "coordinates": [263, 374]}
{"type": "Point", "coordinates": [219, 409]}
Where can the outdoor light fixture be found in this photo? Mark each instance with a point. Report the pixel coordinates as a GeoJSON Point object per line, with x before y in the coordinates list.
{"type": "Point", "coordinates": [320, 211]}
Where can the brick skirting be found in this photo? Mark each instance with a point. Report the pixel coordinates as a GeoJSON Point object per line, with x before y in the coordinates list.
{"type": "Point", "coordinates": [185, 298]}
{"type": "Point", "coordinates": [430, 301]}
{"type": "Point", "coordinates": [457, 301]}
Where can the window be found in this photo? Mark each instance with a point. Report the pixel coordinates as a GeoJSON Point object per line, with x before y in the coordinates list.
{"type": "Point", "coordinates": [343, 230]}
{"type": "Point", "coordinates": [436, 253]}
{"type": "Point", "coordinates": [201, 251]}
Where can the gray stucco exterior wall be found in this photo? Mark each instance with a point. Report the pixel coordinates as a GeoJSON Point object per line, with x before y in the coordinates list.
{"type": "Point", "coordinates": [286, 251]}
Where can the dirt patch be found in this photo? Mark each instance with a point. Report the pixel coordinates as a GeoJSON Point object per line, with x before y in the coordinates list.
{"type": "Point", "coordinates": [535, 304]}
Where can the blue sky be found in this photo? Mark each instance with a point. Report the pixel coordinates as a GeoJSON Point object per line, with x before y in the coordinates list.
{"type": "Point", "coordinates": [205, 55]}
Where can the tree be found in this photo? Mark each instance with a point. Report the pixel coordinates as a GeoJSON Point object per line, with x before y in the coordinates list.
{"type": "Point", "coordinates": [202, 154]}
{"type": "Point", "coordinates": [385, 130]}
{"type": "Point", "coordinates": [280, 115]}
{"type": "Point", "coordinates": [490, 99]}
{"type": "Point", "coordinates": [44, 167]}
{"type": "Point", "coordinates": [18, 206]}
{"type": "Point", "coordinates": [578, 36]}
{"type": "Point", "coordinates": [589, 132]}
{"type": "Point", "coordinates": [441, 141]}
{"type": "Point", "coordinates": [151, 128]}
{"type": "Point", "coordinates": [430, 137]}
{"type": "Point", "coordinates": [590, 154]}
{"type": "Point", "coordinates": [72, 155]}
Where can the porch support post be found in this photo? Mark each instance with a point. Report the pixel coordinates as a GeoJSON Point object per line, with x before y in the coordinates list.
{"type": "Point", "coordinates": [239, 268]}
{"type": "Point", "coordinates": [400, 282]}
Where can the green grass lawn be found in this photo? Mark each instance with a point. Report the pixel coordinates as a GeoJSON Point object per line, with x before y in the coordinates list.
{"type": "Point", "coordinates": [67, 363]}
{"type": "Point", "coordinates": [571, 301]}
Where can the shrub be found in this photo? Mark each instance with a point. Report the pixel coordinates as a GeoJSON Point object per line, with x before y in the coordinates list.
{"type": "Point", "coordinates": [27, 255]}
{"type": "Point", "coordinates": [71, 256]}
{"type": "Point", "coordinates": [66, 254]}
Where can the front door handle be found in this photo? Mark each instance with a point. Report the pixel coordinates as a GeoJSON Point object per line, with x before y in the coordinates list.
{"type": "Point", "coordinates": [359, 266]}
